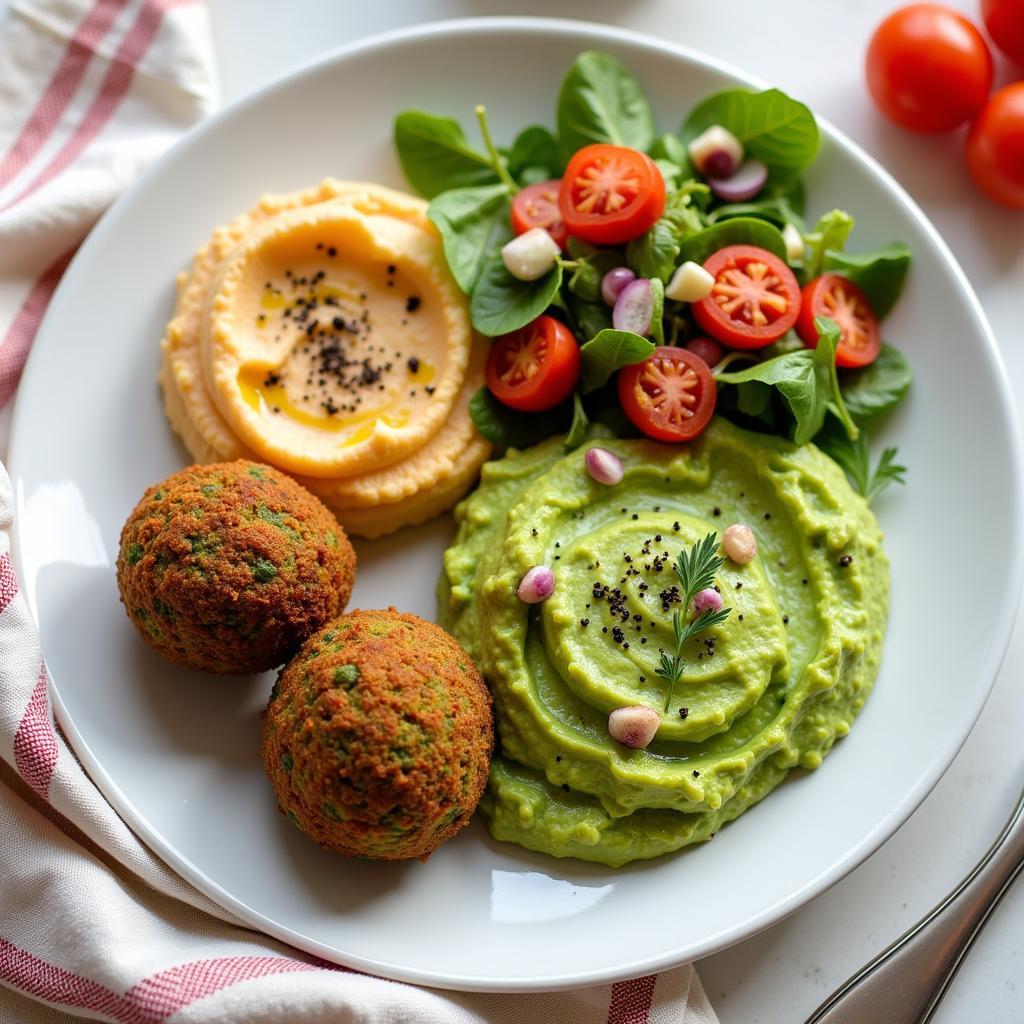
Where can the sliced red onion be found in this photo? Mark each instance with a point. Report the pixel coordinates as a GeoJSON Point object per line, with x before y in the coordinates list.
{"type": "Point", "coordinates": [744, 184]}
{"type": "Point", "coordinates": [634, 307]}
{"type": "Point", "coordinates": [708, 349]}
{"type": "Point", "coordinates": [633, 726]}
{"type": "Point", "coordinates": [707, 600]}
{"type": "Point", "coordinates": [613, 282]}
{"type": "Point", "coordinates": [537, 585]}
{"type": "Point", "coordinates": [604, 466]}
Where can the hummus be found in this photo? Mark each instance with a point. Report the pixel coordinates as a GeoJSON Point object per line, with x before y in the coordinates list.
{"type": "Point", "coordinates": [768, 690]}
{"type": "Point", "coordinates": [321, 332]}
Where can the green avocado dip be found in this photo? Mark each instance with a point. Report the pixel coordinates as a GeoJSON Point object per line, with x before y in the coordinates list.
{"type": "Point", "coordinates": [767, 690]}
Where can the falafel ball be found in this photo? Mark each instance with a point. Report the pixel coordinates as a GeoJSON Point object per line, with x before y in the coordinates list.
{"type": "Point", "coordinates": [229, 567]}
{"type": "Point", "coordinates": [378, 735]}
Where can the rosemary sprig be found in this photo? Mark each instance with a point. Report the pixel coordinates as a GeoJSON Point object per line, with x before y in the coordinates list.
{"type": "Point", "coordinates": [696, 570]}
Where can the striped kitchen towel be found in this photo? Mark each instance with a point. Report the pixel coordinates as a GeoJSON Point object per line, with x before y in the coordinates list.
{"type": "Point", "coordinates": [92, 924]}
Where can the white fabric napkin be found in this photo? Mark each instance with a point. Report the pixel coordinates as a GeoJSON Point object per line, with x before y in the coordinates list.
{"type": "Point", "coordinates": [92, 924]}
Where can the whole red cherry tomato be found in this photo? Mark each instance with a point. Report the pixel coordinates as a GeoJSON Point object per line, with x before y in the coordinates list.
{"type": "Point", "coordinates": [995, 147]}
{"type": "Point", "coordinates": [928, 68]}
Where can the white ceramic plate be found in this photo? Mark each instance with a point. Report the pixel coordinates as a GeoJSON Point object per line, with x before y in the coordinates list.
{"type": "Point", "coordinates": [176, 752]}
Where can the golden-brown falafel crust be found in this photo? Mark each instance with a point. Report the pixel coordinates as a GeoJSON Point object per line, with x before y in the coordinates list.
{"type": "Point", "coordinates": [229, 567]}
{"type": "Point", "coordinates": [378, 735]}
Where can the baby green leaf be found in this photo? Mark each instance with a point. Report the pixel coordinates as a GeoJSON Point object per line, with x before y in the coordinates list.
{"type": "Point", "coordinates": [735, 231]}
{"type": "Point", "coordinates": [609, 351]}
{"type": "Point", "coordinates": [774, 128]}
{"type": "Point", "coordinates": [600, 101]}
{"type": "Point", "coordinates": [580, 423]}
{"type": "Point", "coordinates": [879, 274]}
{"type": "Point", "coordinates": [535, 156]}
{"type": "Point", "coordinates": [855, 459]}
{"type": "Point", "coordinates": [831, 232]}
{"type": "Point", "coordinates": [877, 388]}
{"type": "Point", "coordinates": [474, 224]}
{"type": "Point", "coordinates": [508, 428]}
{"type": "Point", "coordinates": [436, 156]}
{"type": "Point", "coordinates": [501, 303]}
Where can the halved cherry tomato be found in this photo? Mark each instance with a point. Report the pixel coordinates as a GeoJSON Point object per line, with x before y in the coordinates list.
{"type": "Point", "coordinates": [928, 68]}
{"type": "Point", "coordinates": [536, 206]}
{"type": "Point", "coordinates": [534, 368]}
{"type": "Point", "coordinates": [610, 194]}
{"type": "Point", "coordinates": [834, 296]}
{"type": "Point", "coordinates": [755, 298]}
{"type": "Point", "coordinates": [670, 396]}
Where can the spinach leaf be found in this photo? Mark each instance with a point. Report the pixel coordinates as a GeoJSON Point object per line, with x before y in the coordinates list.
{"type": "Point", "coordinates": [590, 318]}
{"type": "Point", "coordinates": [535, 156]}
{"type": "Point", "coordinates": [508, 428]}
{"type": "Point", "coordinates": [501, 303]}
{"type": "Point", "coordinates": [831, 232]}
{"type": "Point", "coordinates": [593, 263]}
{"type": "Point", "coordinates": [734, 231]}
{"type": "Point", "coordinates": [578, 429]}
{"type": "Point", "coordinates": [879, 274]}
{"type": "Point", "coordinates": [654, 253]}
{"type": "Point", "coordinates": [657, 331]}
{"type": "Point", "coordinates": [474, 224]}
{"type": "Point", "coordinates": [607, 352]}
{"type": "Point", "coordinates": [436, 156]}
{"type": "Point", "coordinates": [775, 129]}
{"type": "Point", "coordinates": [777, 211]}
{"type": "Point", "coordinates": [805, 379]}
{"type": "Point", "coordinates": [600, 101]}
{"type": "Point", "coordinates": [668, 147]}
{"type": "Point", "coordinates": [878, 387]}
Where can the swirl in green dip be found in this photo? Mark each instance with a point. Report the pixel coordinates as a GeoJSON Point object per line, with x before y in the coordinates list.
{"type": "Point", "coordinates": [769, 689]}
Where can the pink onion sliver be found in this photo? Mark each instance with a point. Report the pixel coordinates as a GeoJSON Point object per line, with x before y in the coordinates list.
{"type": "Point", "coordinates": [634, 307]}
{"type": "Point", "coordinates": [604, 466]}
{"type": "Point", "coordinates": [537, 585]}
{"type": "Point", "coordinates": [613, 282]}
{"type": "Point", "coordinates": [744, 184]}
{"type": "Point", "coordinates": [707, 600]}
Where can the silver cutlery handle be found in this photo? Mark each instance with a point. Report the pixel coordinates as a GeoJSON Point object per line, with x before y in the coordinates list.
{"type": "Point", "coordinates": [906, 982]}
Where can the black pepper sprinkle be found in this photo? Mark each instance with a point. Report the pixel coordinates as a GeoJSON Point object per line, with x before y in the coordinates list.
{"type": "Point", "coordinates": [565, 786]}
{"type": "Point", "coordinates": [739, 584]}
{"type": "Point", "coordinates": [643, 679]}
{"type": "Point", "coordinates": [716, 511]}
{"type": "Point", "coordinates": [804, 582]}
{"type": "Point", "coordinates": [413, 364]}
{"type": "Point", "coordinates": [767, 515]}
{"type": "Point", "coordinates": [412, 303]}
{"type": "Point", "coordinates": [785, 620]}
{"type": "Point", "coordinates": [635, 516]}
{"type": "Point", "coordinates": [740, 617]}
{"type": "Point", "coordinates": [845, 560]}
{"type": "Point", "coordinates": [558, 757]}
{"type": "Point", "coordinates": [331, 251]}
{"type": "Point", "coordinates": [684, 713]}
{"type": "Point", "coordinates": [584, 622]}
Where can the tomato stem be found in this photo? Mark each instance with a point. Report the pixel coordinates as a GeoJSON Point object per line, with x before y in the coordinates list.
{"type": "Point", "coordinates": [496, 161]}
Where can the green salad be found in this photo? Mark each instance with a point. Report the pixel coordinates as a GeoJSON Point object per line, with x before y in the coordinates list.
{"type": "Point", "coordinates": [646, 281]}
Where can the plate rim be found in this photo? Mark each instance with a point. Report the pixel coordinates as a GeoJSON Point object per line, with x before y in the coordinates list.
{"type": "Point", "coordinates": [594, 33]}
